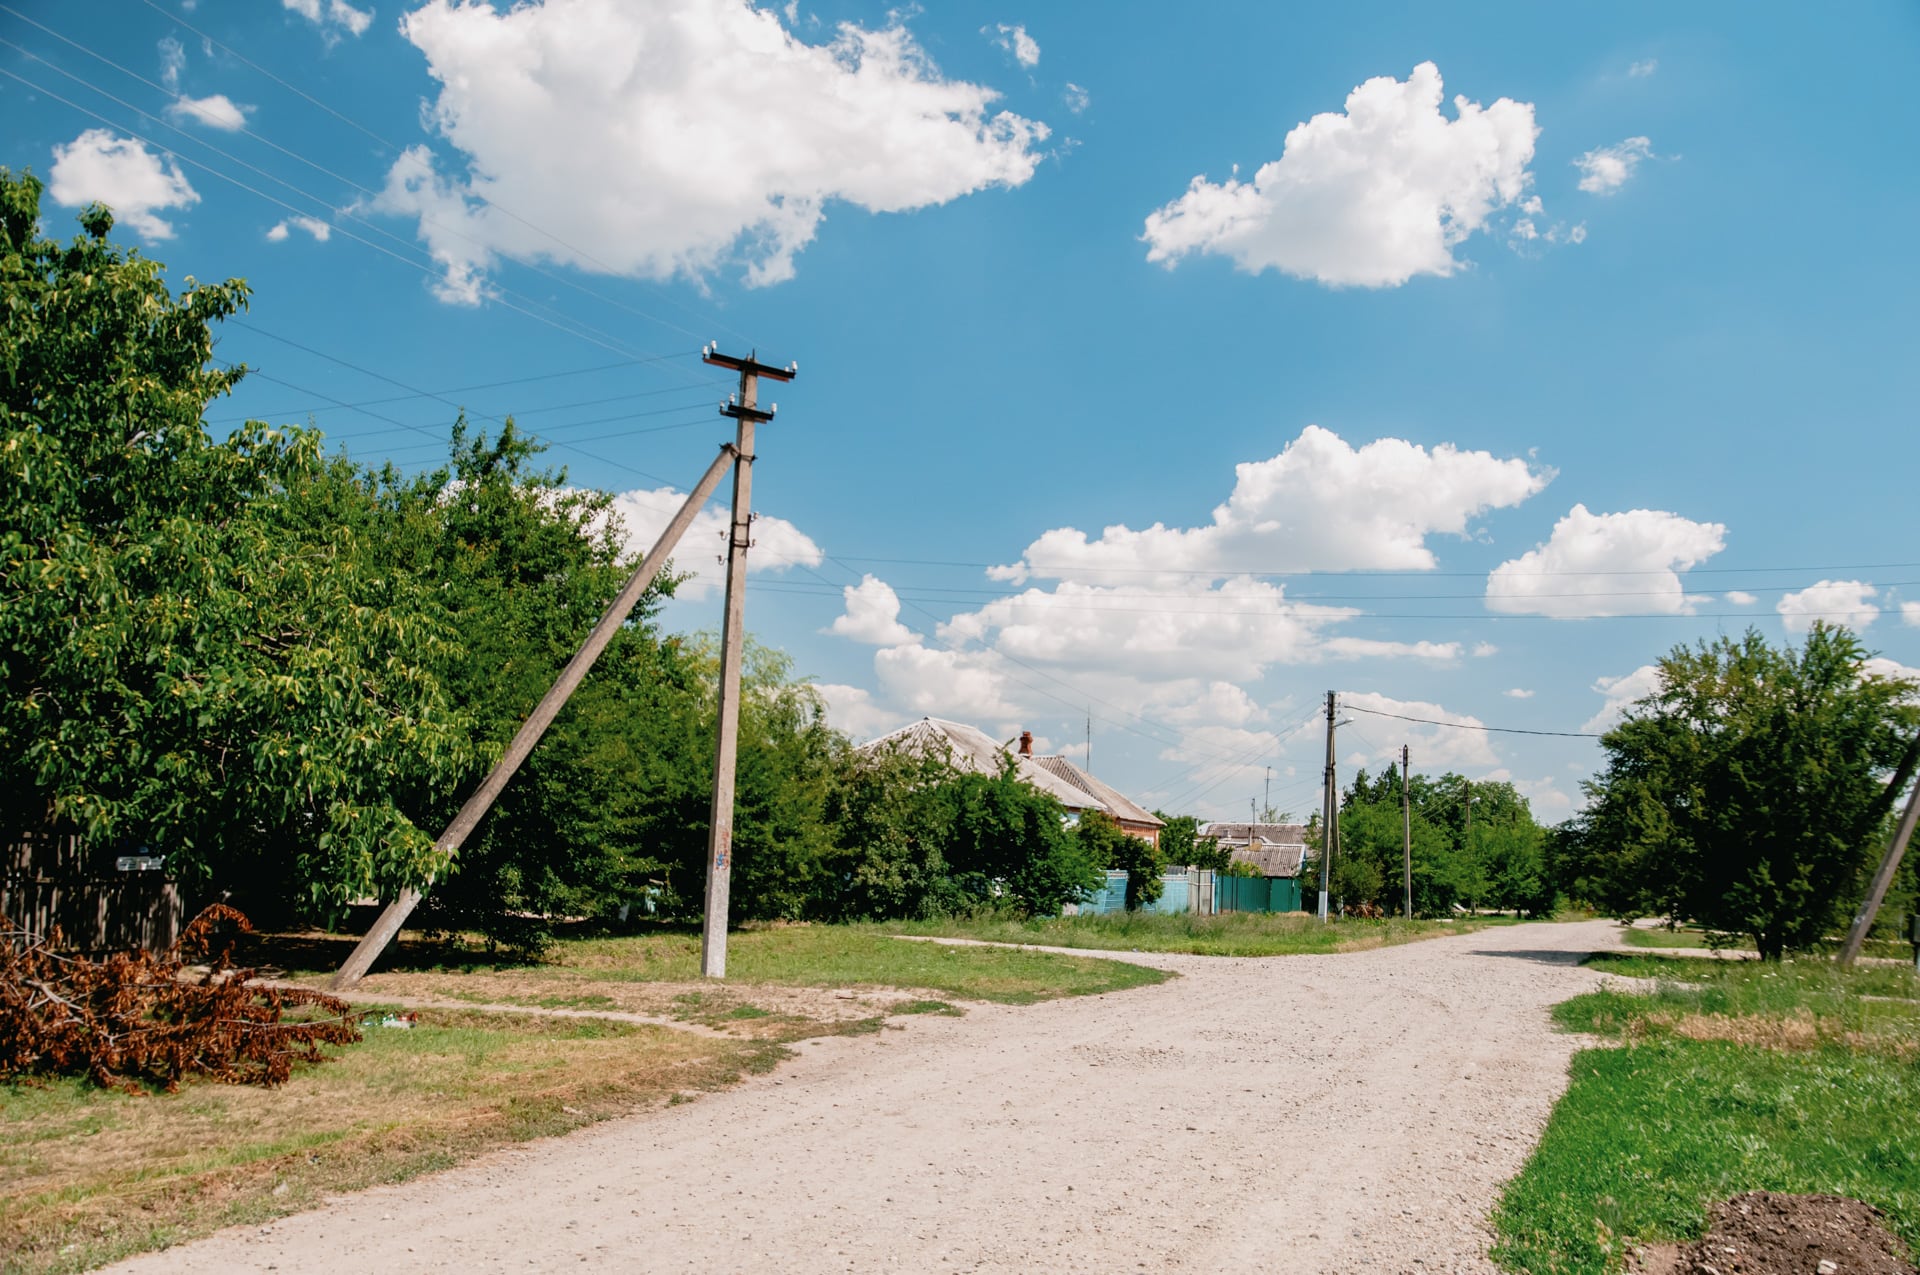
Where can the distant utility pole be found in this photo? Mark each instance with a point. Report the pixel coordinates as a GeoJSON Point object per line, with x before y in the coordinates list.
{"type": "Point", "coordinates": [1406, 830]}
{"type": "Point", "coordinates": [747, 413]}
{"type": "Point", "coordinates": [1266, 794]}
{"type": "Point", "coordinates": [1330, 803]}
{"type": "Point", "coordinates": [395, 915]}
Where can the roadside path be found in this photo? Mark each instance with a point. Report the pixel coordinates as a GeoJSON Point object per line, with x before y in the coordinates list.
{"type": "Point", "coordinates": [1326, 1114]}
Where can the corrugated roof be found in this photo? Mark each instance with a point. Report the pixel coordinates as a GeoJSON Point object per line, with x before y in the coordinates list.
{"type": "Point", "coordinates": [1284, 834]}
{"type": "Point", "coordinates": [1271, 860]}
{"type": "Point", "coordinates": [969, 748]}
{"type": "Point", "coordinates": [1116, 803]}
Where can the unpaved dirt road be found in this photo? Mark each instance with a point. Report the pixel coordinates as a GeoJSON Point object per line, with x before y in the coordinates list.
{"type": "Point", "coordinates": [1319, 1114]}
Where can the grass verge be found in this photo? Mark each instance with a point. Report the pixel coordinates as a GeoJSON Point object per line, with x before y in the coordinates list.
{"type": "Point", "coordinates": [784, 982]}
{"type": "Point", "coordinates": [1732, 1076]}
{"type": "Point", "coordinates": [88, 1176]}
{"type": "Point", "coordinates": [1222, 934]}
{"type": "Point", "coordinates": [1689, 937]}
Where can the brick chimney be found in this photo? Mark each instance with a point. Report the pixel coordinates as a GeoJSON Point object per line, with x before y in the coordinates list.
{"type": "Point", "coordinates": [1026, 743]}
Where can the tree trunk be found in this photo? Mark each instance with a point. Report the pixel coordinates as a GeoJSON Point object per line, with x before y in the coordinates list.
{"type": "Point", "coordinates": [1771, 947]}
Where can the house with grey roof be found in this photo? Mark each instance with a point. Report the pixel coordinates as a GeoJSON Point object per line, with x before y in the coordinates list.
{"type": "Point", "coordinates": [969, 748]}
{"type": "Point", "coordinates": [1270, 849]}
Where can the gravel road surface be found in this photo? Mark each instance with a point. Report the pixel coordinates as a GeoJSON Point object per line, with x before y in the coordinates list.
{"type": "Point", "coordinates": [1319, 1114]}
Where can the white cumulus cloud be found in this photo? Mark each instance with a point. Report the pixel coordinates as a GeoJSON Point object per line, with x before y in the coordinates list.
{"type": "Point", "coordinates": [1848, 602]}
{"type": "Point", "coordinates": [1741, 598]}
{"type": "Point", "coordinates": [1370, 197]}
{"type": "Point", "coordinates": [1607, 168]}
{"type": "Point", "coordinates": [673, 138]}
{"type": "Point", "coordinates": [1606, 564]}
{"type": "Point", "coordinates": [1517, 693]}
{"type": "Point", "coordinates": [1076, 98]}
{"type": "Point", "coordinates": [1910, 614]}
{"type": "Point", "coordinates": [218, 111]}
{"type": "Point", "coordinates": [852, 709]}
{"type": "Point", "coordinates": [124, 175]}
{"type": "Point", "coordinates": [331, 16]}
{"type": "Point", "coordinates": [320, 230]}
{"type": "Point", "coordinates": [1015, 40]}
{"type": "Point", "coordinates": [700, 555]}
{"type": "Point", "coordinates": [1620, 694]}
{"type": "Point", "coordinates": [872, 614]}
{"type": "Point", "coordinates": [1320, 505]}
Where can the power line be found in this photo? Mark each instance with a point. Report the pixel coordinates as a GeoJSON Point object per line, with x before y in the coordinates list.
{"type": "Point", "coordinates": [1498, 730]}
{"type": "Point", "coordinates": [497, 293]}
{"type": "Point", "coordinates": [1350, 615]}
{"type": "Point", "coordinates": [1047, 570]}
{"type": "Point", "coordinates": [395, 149]}
{"type": "Point", "coordinates": [381, 376]}
{"type": "Point", "coordinates": [492, 385]}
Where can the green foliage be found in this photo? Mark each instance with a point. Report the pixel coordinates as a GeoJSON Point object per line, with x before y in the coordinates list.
{"type": "Point", "coordinates": [188, 659]}
{"type": "Point", "coordinates": [1107, 845]}
{"type": "Point", "coordinates": [1181, 844]}
{"type": "Point", "coordinates": [1748, 793]}
{"type": "Point", "coordinates": [1500, 862]}
{"type": "Point", "coordinates": [1010, 846]}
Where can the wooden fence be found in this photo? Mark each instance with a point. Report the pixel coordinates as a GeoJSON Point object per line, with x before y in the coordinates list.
{"type": "Point", "coordinates": [55, 881]}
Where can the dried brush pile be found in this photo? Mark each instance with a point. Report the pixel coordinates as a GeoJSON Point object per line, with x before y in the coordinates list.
{"type": "Point", "coordinates": [136, 1018]}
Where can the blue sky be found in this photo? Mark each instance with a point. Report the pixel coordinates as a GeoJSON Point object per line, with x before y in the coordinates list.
{"type": "Point", "coordinates": [1164, 371]}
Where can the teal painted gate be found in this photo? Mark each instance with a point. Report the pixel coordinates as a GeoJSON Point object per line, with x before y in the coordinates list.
{"type": "Point", "coordinates": [1256, 894]}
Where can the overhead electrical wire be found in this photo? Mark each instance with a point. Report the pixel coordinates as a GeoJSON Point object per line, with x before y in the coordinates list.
{"type": "Point", "coordinates": [1497, 730]}
{"type": "Point", "coordinates": [392, 148]}
{"type": "Point", "coordinates": [1044, 569]}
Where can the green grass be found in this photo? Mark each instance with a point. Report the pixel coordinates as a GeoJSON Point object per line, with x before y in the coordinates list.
{"type": "Point", "coordinates": [1223, 934]}
{"type": "Point", "coordinates": [89, 1175]}
{"type": "Point", "coordinates": [850, 956]}
{"type": "Point", "coordinates": [1693, 938]}
{"type": "Point", "coordinates": [1736, 1076]}
{"type": "Point", "coordinates": [1687, 937]}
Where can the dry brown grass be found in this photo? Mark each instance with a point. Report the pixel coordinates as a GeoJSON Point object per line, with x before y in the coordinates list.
{"type": "Point", "coordinates": [86, 1175]}
{"type": "Point", "coordinates": [1796, 1031]}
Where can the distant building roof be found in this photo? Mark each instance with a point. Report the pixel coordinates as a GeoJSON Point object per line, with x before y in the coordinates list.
{"type": "Point", "coordinates": [1281, 834]}
{"type": "Point", "coordinates": [970, 748]}
{"type": "Point", "coordinates": [1270, 860]}
{"type": "Point", "coordinates": [1104, 795]}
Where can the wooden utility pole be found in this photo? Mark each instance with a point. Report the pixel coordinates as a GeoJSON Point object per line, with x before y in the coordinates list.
{"type": "Point", "coordinates": [1329, 805]}
{"type": "Point", "coordinates": [1890, 863]}
{"type": "Point", "coordinates": [1877, 892]}
{"type": "Point", "coordinates": [387, 927]}
{"type": "Point", "coordinates": [747, 413]}
{"type": "Point", "coordinates": [1406, 830]}
{"type": "Point", "coordinates": [1266, 794]}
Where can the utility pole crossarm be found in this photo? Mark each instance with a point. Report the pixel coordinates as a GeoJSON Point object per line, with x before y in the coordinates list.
{"type": "Point", "coordinates": [744, 407]}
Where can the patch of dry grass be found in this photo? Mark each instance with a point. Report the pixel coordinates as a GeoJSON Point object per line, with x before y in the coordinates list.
{"type": "Point", "coordinates": [87, 1176]}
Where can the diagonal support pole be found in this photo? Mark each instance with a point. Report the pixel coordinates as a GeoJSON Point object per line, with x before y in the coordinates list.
{"type": "Point", "coordinates": [387, 927]}
{"type": "Point", "coordinates": [1882, 879]}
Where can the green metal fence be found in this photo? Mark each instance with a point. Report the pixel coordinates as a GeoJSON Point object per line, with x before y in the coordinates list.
{"type": "Point", "coordinates": [1255, 894]}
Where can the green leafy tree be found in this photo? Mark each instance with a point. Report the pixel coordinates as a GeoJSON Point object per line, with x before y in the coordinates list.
{"type": "Point", "coordinates": [892, 816]}
{"type": "Point", "coordinates": [1748, 793]}
{"type": "Point", "coordinates": [1107, 845]}
{"type": "Point", "coordinates": [187, 659]}
{"type": "Point", "coordinates": [1010, 846]}
{"type": "Point", "coordinates": [1182, 845]}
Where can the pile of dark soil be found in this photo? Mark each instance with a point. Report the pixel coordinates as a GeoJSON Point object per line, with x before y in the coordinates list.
{"type": "Point", "coordinates": [1762, 1233]}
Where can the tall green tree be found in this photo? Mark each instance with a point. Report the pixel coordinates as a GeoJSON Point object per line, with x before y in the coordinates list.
{"type": "Point", "coordinates": [188, 661]}
{"type": "Point", "coordinates": [1105, 844]}
{"type": "Point", "coordinates": [1748, 793]}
